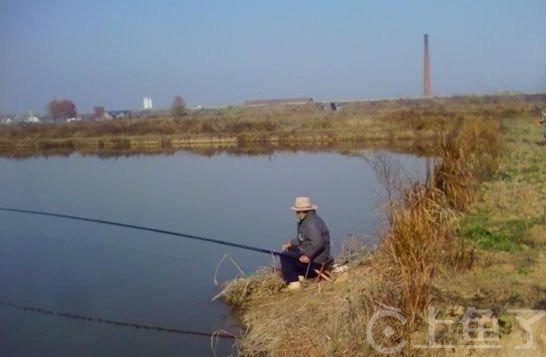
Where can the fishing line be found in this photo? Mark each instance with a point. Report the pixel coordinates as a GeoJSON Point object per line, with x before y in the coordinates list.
{"type": "Point", "coordinates": [87, 318]}
{"type": "Point", "coordinates": [147, 229]}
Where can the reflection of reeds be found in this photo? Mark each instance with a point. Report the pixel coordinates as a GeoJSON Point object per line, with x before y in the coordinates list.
{"type": "Point", "coordinates": [104, 148]}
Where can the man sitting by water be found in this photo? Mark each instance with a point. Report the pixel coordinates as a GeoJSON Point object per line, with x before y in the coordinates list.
{"type": "Point", "coordinates": [309, 249]}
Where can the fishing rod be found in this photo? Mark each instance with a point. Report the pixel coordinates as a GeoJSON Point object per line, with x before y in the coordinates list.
{"type": "Point", "coordinates": [147, 229]}
{"type": "Point", "coordinates": [87, 318]}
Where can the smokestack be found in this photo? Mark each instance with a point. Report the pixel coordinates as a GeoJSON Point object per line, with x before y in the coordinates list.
{"type": "Point", "coordinates": [427, 84]}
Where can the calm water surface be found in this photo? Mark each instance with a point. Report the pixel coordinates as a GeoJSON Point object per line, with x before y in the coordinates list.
{"type": "Point", "coordinates": [139, 277]}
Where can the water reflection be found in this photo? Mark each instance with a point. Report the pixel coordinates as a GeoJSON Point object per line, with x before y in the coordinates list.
{"type": "Point", "coordinates": [249, 149]}
{"type": "Point", "coordinates": [122, 275]}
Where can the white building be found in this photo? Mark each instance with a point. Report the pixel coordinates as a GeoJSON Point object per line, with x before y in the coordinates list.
{"type": "Point", "coordinates": [32, 118]}
{"type": "Point", "coordinates": [147, 103]}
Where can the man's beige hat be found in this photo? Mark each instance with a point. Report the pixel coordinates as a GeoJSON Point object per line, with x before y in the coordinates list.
{"type": "Point", "coordinates": [303, 204]}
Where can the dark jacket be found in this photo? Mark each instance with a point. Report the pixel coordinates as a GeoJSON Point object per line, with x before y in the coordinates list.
{"type": "Point", "coordinates": [313, 238]}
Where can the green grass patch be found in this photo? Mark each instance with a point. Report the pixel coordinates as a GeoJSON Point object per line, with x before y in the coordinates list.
{"type": "Point", "coordinates": [487, 239]}
{"type": "Point", "coordinates": [506, 175]}
{"type": "Point", "coordinates": [506, 323]}
{"type": "Point", "coordinates": [506, 236]}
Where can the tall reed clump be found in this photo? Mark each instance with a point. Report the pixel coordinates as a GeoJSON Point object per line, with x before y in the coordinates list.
{"type": "Point", "coordinates": [419, 238]}
{"type": "Point", "coordinates": [418, 228]}
{"type": "Point", "coordinates": [467, 156]}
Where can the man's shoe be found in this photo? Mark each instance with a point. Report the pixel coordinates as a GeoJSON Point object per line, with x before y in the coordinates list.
{"type": "Point", "coordinates": [295, 285]}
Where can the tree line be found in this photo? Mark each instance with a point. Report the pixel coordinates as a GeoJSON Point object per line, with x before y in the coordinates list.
{"type": "Point", "coordinates": [62, 109]}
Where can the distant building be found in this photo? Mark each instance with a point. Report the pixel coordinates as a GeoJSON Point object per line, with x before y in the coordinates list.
{"type": "Point", "coordinates": [99, 112]}
{"type": "Point", "coordinates": [32, 118]}
{"type": "Point", "coordinates": [271, 102]}
{"type": "Point", "coordinates": [6, 121]}
{"type": "Point", "coordinates": [117, 114]}
{"type": "Point", "coordinates": [147, 103]}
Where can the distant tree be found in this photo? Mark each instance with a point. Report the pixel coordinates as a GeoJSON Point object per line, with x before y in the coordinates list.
{"type": "Point", "coordinates": [99, 112]}
{"type": "Point", "coordinates": [178, 108]}
{"type": "Point", "coordinates": [61, 109]}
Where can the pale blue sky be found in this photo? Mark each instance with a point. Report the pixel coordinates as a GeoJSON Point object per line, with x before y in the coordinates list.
{"type": "Point", "coordinates": [113, 53]}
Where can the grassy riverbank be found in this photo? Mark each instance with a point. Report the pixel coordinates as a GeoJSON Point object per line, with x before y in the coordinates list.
{"type": "Point", "coordinates": [473, 237]}
{"type": "Point", "coordinates": [409, 125]}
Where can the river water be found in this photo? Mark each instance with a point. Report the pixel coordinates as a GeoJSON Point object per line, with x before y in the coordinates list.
{"type": "Point", "coordinates": [138, 277]}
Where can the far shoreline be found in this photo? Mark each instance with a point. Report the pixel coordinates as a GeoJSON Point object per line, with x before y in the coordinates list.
{"type": "Point", "coordinates": [407, 125]}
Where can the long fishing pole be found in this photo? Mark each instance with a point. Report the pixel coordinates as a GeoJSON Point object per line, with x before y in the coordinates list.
{"type": "Point", "coordinates": [147, 229]}
{"type": "Point", "coordinates": [218, 334]}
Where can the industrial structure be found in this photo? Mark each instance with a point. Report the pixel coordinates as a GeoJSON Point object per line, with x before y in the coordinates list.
{"type": "Point", "coordinates": [147, 103]}
{"type": "Point", "coordinates": [427, 82]}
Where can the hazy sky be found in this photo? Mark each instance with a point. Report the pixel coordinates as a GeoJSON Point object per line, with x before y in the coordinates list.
{"type": "Point", "coordinates": [113, 53]}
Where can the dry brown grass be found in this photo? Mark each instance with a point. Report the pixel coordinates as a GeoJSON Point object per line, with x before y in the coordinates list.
{"type": "Point", "coordinates": [467, 156]}
{"type": "Point", "coordinates": [242, 290]}
{"type": "Point", "coordinates": [310, 322]}
{"type": "Point", "coordinates": [413, 246]}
